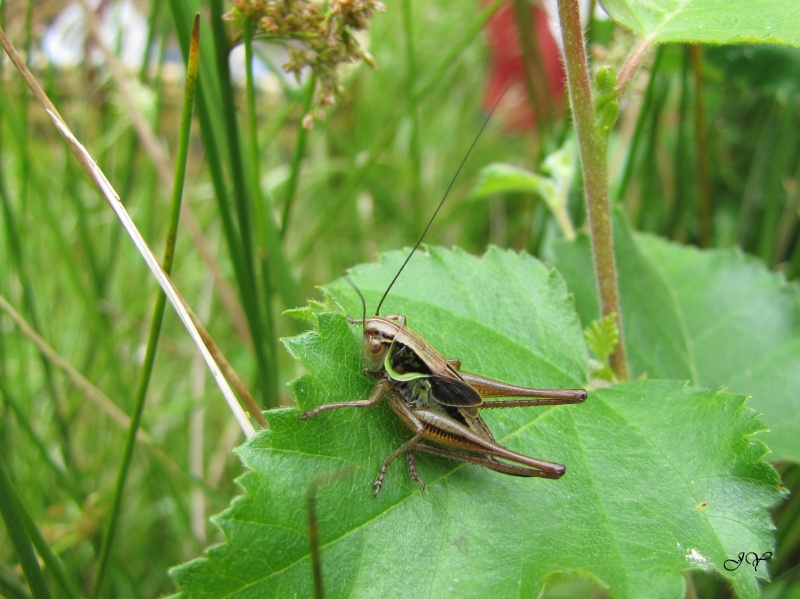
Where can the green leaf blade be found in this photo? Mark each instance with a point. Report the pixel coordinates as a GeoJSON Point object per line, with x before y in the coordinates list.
{"type": "Point", "coordinates": [710, 21]}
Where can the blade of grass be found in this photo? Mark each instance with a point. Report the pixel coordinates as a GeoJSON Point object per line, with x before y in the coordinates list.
{"type": "Point", "coordinates": [101, 401]}
{"type": "Point", "coordinates": [113, 199]}
{"type": "Point", "coordinates": [752, 195]}
{"type": "Point", "coordinates": [651, 201]}
{"type": "Point", "coordinates": [788, 226]}
{"type": "Point", "coordinates": [787, 520]}
{"type": "Point", "coordinates": [50, 559]}
{"type": "Point", "coordinates": [223, 147]}
{"type": "Point", "coordinates": [638, 134]}
{"type": "Point", "coordinates": [414, 148]}
{"type": "Point", "coordinates": [19, 264]}
{"type": "Point", "coordinates": [301, 137]}
{"type": "Point", "coordinates": [213, 142]}
{"type": "Point", "coordinates": [88, 292]}
{"type": "Point", "coordinates": [676, 227]}
{"type": "Point", "coordinates": [19, 535]}
{"type": "Point", "coordinates": [158, 310]}
{"type": "Point", "coordinates": [704, 199]}
{"type": "Point", "coordinates": [66, 481]}
{"type": "Point", "coordinates": [262, 208]}
{"type": "Point", "coordinates": [250, 293]}
{"type": "Point", "coordinates": [778, 202]}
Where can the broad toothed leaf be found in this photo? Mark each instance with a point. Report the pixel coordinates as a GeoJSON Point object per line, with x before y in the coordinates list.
{"type": "Point", "coordinates": [661, 477]}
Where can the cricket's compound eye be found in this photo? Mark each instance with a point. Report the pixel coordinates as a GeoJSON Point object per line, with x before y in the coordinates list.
{"type": "Point", "coordinates": [374, 346]}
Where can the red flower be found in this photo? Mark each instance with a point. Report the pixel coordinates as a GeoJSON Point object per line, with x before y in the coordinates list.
{"type": "Point", "coordinates": [507, 68]}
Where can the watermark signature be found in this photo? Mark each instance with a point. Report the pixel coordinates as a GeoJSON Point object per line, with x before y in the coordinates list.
{"type": "Point", "coordinates": [750, 558]}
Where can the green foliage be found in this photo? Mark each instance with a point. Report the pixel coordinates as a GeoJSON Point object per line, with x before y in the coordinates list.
{"type": "Point", "coordinates": [553, 186]}
{"type": "Point", "coordinates": [277, 209]}
{"type": "Point", "coordinates": [661, 477]}
{"type": "Point", "coordinates": [601, 338]}
{"type": "Point", "coordinates": [507, 178]}
{"type": "Point", "coordinates": [606, 103]}
{"type": "Point", "coordinates": [717, 319]}
{"type": "Point", "coordinates": [773, 70]}
{"type": "Point", "coordinates": [703, 21]}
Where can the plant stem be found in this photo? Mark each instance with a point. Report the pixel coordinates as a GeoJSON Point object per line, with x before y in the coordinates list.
{"type": "Point", "coordinates": [638, 134]}
{"type": "Point", "coordinates": [632, 64]}
{"type": "Point", "coordinates": [593, 149]}
{"type": "Point", "coordinates": [297, 158]}
{"type": "Point", "coordinates": [262, 210]}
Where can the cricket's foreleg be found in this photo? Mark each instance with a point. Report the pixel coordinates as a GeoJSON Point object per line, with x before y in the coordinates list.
{"type": "Point", "coordinates": [378, 393]}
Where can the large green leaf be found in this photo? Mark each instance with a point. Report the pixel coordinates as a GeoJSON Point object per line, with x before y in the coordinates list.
{"type": "Point", "coordinates": [661, 478]}
{"type": "Point", "coordinates": [710, 21]}
{"type": "Point", "coordinates": [716, 318]}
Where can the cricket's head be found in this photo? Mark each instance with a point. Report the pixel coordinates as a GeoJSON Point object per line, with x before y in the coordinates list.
{"type": "Point", "coordinates": [379, 334]}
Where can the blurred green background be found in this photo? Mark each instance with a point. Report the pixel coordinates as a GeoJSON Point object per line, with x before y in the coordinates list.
{"type": "Point", "coordinates": [715, 165]}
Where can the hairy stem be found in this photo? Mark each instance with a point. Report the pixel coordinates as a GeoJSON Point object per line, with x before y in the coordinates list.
{"type": "Point", "coordinates": [593, 149]}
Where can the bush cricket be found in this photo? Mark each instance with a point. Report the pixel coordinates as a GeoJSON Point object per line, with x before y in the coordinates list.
{"type": "Point", "coordinates": [435, 399]}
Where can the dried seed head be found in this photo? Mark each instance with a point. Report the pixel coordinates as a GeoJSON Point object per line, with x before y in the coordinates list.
{"type": "Point", "coordinates": [321, 37]}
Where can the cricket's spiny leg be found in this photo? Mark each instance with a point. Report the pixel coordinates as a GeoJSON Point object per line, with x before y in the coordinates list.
{"type": "Point", "coordinates": [412, 468]}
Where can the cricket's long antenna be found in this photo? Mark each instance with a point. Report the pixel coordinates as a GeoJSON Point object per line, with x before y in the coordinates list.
{"type": "Point", "coordinates": [444, 197]}
{"type": "Point", "coordinates": [363, 302]}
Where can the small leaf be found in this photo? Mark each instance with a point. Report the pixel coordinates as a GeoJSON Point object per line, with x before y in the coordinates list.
{"type": "Point", "coordinates": [554, 189]}
{"type": "Point", "coordinates": [602, 336]}
{"type": "Point", "coordinates": [641, 457]}
{"type": "Point", "coordinates": [601, 339]}
{"type": "Point", "coordinates": [703, 21]}
{"type": "Point", "coordinates": [506, 178]}
{"type": "Point", "coordinates": [606, 102]}
{"type": "Point", "coordinates": [309, 313]}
